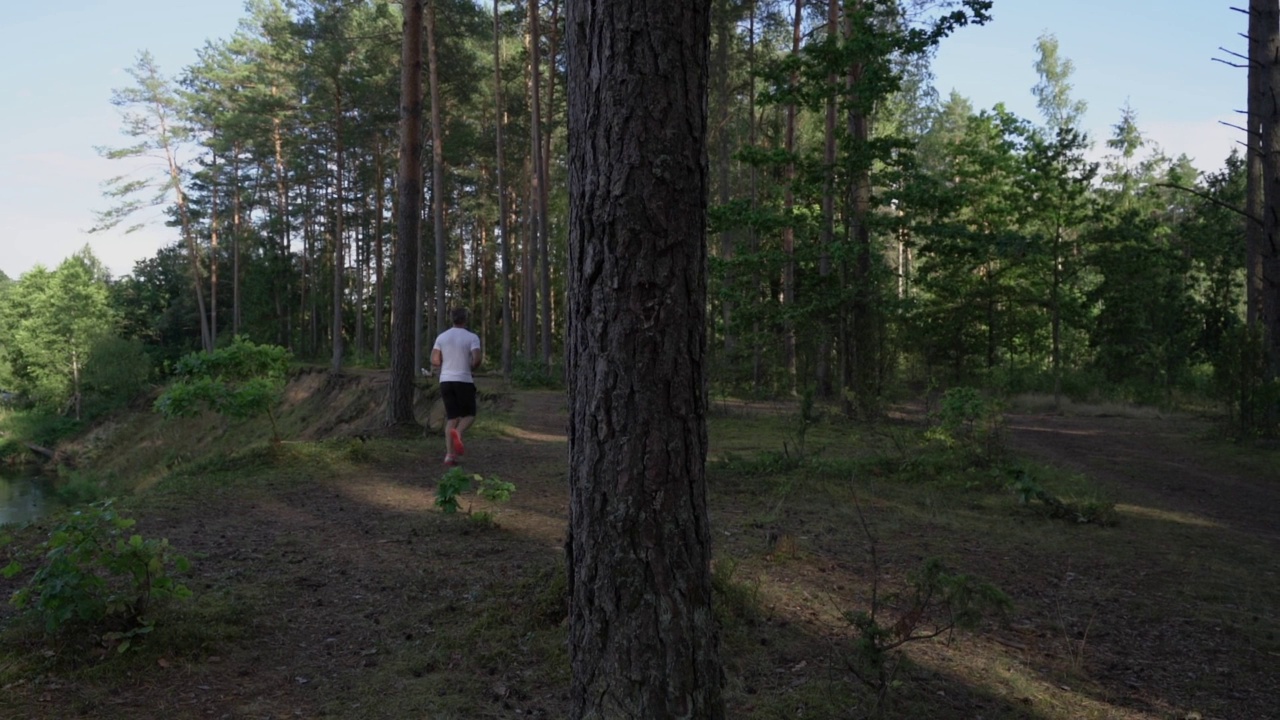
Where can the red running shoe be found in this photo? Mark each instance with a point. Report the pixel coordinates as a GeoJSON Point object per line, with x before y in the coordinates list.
{"type": "Point", "coordinates": [456, 437]}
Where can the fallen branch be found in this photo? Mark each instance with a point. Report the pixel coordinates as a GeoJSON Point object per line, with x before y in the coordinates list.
{"type": "Point", "coordinates": [46, 452]}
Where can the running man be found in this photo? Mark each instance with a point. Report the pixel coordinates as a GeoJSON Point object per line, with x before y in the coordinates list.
{"type": "Point", "coordinates": [455, 354]}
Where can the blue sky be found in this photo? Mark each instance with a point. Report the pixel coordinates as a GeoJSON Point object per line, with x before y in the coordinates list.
{"type": "Point", "coordinates": [61, 61]}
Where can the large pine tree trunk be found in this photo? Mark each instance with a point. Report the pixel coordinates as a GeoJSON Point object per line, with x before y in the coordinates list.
{"type": "Point", "coordinates": [642, 636]}
{"type": "Point", "coordinates": [1269, 10]}
{"type": "Point", "coordinates": [500, 118]}
{"type": "Point", "coordinates": [1254, 181]}
{"type": "Point", "coordinates": [409, 207]}
{"type": "Point", "coordinates": [437, 166]}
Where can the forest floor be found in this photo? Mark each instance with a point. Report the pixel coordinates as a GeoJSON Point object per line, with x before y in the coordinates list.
{"type": "Point", "coordinates": [328, 585]}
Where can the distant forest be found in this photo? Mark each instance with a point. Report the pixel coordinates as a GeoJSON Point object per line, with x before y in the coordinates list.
{"type": "Point", "coordinates": [867, 235]}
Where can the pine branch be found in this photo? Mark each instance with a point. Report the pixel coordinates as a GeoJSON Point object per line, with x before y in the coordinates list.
{"type": "Point", "coordinates": [1205, 196]}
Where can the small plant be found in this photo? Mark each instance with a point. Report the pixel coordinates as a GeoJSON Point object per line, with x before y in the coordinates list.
{"type": "Point", "coordinates": [456, 482]}
{"type": "Point", "coordinates": [451, 486]}
{"type": "Point", "coordinates": [1030, 494]}
{"type": "Point", "coordinates": [733, 600]}
{"type": "Point", "coordinates": [495, 490]}
{"type": "Point", "coordinates": [937, 602]}
{"type": "Point", "coordinates": [971, 422]}
{"type": "Point", "coordinates": [94, 572]}
{"type": "Point", "coordinates": [806, 420]}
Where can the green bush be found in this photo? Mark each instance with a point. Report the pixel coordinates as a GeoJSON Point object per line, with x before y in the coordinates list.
{"type": "Point", "coordinates": [117, 370]}
{"type": "Point", "coordinates": [533, 374]}
{"type": "Point", "coordinates": [240, 381]}
{"type": "Point", "coordinates": [972, 422]}
{"type": "Point", "coordinates": [93, 572]}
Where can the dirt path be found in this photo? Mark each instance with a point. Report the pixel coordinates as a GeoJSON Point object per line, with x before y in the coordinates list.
{"type": "Point", "coordinates": [1157, 463]}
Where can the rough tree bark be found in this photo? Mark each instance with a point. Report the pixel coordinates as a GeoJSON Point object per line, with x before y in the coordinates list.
{"type": "Point", "coordinates": [409, 186]}
{"type": "Point", "coordinates": [1269, 22]}
{"type": "Point", "coordinates": [642, 637]}
{"type": "Point", "coordinates": [1253, 162]}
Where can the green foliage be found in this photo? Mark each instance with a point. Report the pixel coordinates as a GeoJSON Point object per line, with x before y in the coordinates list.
{"type": "Point", "coordinates": [972, 422]}
{"type": "Point", "coordinates": [78, 487]}
{"type": "Point", "coordinates": [117, 370]}
{"type": "Point", "coordinates": [242, 380]}
{"type": "Point", "coordinates": [454, 483]}
{"type": "Point", "coordinates": [1095, 511]}
{"type": "Point", "coordinates": [95, 573]}
{"type": "Point", "coordinates": [533, 374]}
{"type": "Point", "coordinates": [733, 600]}
{"type": "Point", "coordinates": [50, 322]}
{"type": "Point", "coordinates": [38, 426]}
{"type": "Point", "coordinates": [495, 490]}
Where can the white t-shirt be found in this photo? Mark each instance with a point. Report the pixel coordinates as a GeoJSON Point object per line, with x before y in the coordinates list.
{"type": "Point", "coordinates": [455, 346]}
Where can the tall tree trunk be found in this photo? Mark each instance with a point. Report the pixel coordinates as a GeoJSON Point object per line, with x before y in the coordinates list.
{"type": "Point", "coordinates": [723, 19]}
{"type": "Point", "coordinates": [789, 231]}
{"type": "Point", "coordinates": [864, 361]}
{"type": "Point", "coordinates": [361, 240]}
{"type": "Point", "coordinates": [437, 166]}
{"type": "Point", "coordinates": [544, 190]}
{"type": "Point", "coordinates": [1254, 180]}
{"type": "Point", "coordinates": [284, 243]}
{"type": "Point", "coordinates": [339, 235]}
{"type": "Point", "coordinates": [214, 228]}
{"type": "Point", "coordinates": [1269, 12]}
{"type": "Point", "coordinates": [409, 186]}
{"type": "Point", "coordinates": [188, 233]}
{"type": "Point", "coordinates": [539, 222]}
{"type": "Point", "coordinates": [500, 118]}
{"type": "Point", "coordinates": [822, 370]}
{"type": "Point", "coordinates": [753, 240]}
{"type": "Point", "coordinates": [236, 230]}
{"type": "Point", "coordinates": [379, 291]}
{"type": "Point", "coordinates": [643, 641]}
{"type": "Point", "coordinates": [528, 263]}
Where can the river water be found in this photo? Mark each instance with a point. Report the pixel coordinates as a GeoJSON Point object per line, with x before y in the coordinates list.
{"type": "Point", "coordinates": [22, 496]}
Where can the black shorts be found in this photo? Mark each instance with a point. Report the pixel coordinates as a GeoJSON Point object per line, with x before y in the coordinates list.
{"type": "Point", "coordinates": [459, 399]}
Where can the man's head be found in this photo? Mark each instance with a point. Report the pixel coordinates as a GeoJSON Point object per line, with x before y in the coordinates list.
{"type": "Point", "coordinates": [459, 317]}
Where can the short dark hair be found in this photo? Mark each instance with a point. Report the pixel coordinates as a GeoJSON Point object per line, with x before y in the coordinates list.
{"type": "Point", "coordinates": [460, 316]}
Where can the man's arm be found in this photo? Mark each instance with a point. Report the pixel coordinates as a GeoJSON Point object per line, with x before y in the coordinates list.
{"type": "Point", "coordinates": [476, 357]}
{"type": "Point", "coordinates": [436, 359]}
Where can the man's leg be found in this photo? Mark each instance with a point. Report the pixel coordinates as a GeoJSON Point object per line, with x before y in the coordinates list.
{"type": "Point", "coordinates": [467, 415]}
{"type": "Point", "coordinates": [455, 430]}
{"type": "Point", "coordinates": [449, 426]}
